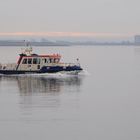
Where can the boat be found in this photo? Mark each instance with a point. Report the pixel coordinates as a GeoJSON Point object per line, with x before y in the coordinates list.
{"type": "Point", "coordinates": [31, 63]}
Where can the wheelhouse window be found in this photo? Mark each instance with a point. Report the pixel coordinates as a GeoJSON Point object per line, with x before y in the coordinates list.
{"type": "Point", "coordinates": [44, 60]}
{"type": "Point", "coordinates": [56, 60]}
{"type": "Point", "coordinates": [35, 61]}
{"type": "Point", "coordinates": [29, 60]}
{"type": "Point", "coordinates": [38, 60]}
{"type": "Point", "coordinates": [24, 61]}
{"type": "Point", "coordinates": [47, 60]}
{"type": "Point", "coordinates": [51, 60]}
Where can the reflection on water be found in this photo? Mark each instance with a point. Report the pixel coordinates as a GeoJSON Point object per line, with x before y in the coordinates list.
{"type": "Point", "coordinates": [29, 85]}
{"type": "Point", "coordinates": [40, 92]}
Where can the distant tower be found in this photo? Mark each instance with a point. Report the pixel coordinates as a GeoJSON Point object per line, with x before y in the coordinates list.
{"type": "Point", "coordinates": [137, 39]}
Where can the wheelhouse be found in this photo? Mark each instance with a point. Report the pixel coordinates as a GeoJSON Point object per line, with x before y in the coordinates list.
{"type": "Point", "coordinates": [35, 62]}
{"type": "Point", "coordinates": [40, 59]}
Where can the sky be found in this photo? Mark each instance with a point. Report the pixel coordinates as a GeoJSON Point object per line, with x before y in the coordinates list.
{"type": "Point", "coordinates": [105, 18]}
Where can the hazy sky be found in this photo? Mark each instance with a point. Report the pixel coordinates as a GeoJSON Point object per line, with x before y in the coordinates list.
{"type": "Point", "coordinates": [120, 17]}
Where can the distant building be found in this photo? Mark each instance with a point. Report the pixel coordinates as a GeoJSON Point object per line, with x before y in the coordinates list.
{"type": "Point", "coordinates": [137, 39]}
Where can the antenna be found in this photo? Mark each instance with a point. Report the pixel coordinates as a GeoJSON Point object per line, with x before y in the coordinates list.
{"type": "Point", "coordinates": [28, 48]}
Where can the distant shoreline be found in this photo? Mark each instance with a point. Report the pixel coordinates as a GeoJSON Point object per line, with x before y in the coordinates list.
{"type": "Point", "coordinates": [20, 44]}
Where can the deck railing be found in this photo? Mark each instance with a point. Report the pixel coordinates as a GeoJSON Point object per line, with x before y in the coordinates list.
{"type": "Point", "coordinates": [10, 66]}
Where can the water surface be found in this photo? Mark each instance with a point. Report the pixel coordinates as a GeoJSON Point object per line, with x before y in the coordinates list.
{"type": "Point", "coordinates": [101, 104]}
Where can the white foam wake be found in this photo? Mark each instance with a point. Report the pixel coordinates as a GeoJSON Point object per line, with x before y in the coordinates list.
{"type": "Point", "coordinates": [62, 74]}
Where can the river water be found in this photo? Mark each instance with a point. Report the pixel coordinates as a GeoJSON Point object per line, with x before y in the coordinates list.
{"type": "Point", "coordinates": [102, 103]}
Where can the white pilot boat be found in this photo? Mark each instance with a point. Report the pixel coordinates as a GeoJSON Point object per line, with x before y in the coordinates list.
{"type": "Point", "coordinates": [30, 63]}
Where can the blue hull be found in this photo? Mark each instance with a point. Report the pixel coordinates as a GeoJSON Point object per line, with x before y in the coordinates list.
{"type": "Point", "coordinates": [45, 69]}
